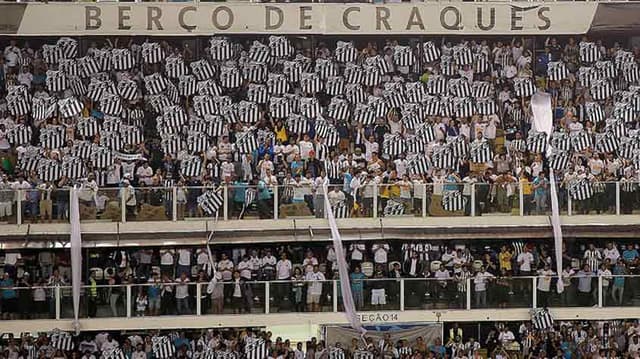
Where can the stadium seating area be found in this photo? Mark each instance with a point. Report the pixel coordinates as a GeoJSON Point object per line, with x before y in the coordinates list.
{"type": "Point", "coordinates": [565, 339]}
{"type": "Point", "coordinates": [410, 122]}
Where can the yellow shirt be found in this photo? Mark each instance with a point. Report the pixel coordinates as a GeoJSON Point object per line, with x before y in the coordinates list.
{"type": "Point", "coordinates": [505, 260]}
{"type": "Point", "coordinates": [281, 134]}
{"type": "Point", "coordinates": [527, 187]}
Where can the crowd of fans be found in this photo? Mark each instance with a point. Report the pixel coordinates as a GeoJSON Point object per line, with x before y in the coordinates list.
{"type": "Point", "coordinates": [134, 115]}
{"type": "Point", "coordinates": [164, 279]}
{"type": "Point", "coordinates": [566, 339]}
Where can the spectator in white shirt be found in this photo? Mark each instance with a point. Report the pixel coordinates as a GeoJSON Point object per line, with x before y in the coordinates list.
{"type": "Point", "coordinates": [480, 287]}
{"type": "Point", "coordinates": [315, 280]}
{"type": "Point", "coordinates": [182, 294]}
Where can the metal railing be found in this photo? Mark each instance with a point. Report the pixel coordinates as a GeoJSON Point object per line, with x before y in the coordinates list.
{"type": "Point", "coordinates": [389, 294]}
{"type": "Point", "coordinates": [370, 200]}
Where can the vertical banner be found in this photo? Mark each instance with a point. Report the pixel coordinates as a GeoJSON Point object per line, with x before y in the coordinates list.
{"type": "Point", "coordinates": [345, 284]}
{"type": "Point", "coordinates": [76, 255]}
{"type": "Point", "coordinates": [543, 122]}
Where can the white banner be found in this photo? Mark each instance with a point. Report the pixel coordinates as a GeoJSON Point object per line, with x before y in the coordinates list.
{"type": "Point", "coordinates": [174, 19]}
{"type": "Point", "coordinates": [76, 255]}
{"type": "Point", "coordinates": [543, 122]}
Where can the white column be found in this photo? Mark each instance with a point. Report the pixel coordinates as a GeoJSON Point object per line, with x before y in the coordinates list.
{"type": "Point", "coordinates": [335, 295]}
{"type": "Point", "coordinates": [225, 195]}
{"type": "Point", "coordinates": [468, 293]}
{"type": "Point", "coordinates": [521, 199]}
{"type": "Point", "coordinates": [174, 203]}
{"type": "Point", "coordinates": [600, 294]}
{"type": "Point", "coordinates": [534, 282]}
{"type": "Point", "coordinates": [473, 200]}
{"type": "Point", "coordinates": [569, 205]}
{"type": "Point", "coordinates": [123, 208]}
{"type": "Point", "coordinates": [58, 304]}
{"type": "Point", "coordinates": [199, 299]}
{"type": "Point", "coordinates": [267, 296]}
{"type": "Point", "coordinates": [617, 198]}
{"type": "Point", "coordinates": [275, 202]}
{"type": "Point", "coordinates": [424, 200]}
{"type": "Point", "coordinates": [375, 200]}
{"type": "Point", "coordinates": [402, 295]}
{"type": "Point", "coordinates": [19, 206]}
{"type": "Point", "coordinates": [128, 301]}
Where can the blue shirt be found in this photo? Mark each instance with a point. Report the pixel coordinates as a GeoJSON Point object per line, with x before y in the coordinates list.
{"type": "Point", "coordinates": [7, 293]}
{"type": "Point", "coordinates": [630, 255]}
{"type": "Point", "coordinates": [540, 191]}
{"type": "Point", "coordinates": [347, 183]}
{"type": "Point", "coordinates": [356, 281]}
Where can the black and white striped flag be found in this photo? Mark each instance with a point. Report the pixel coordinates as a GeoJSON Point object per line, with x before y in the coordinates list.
{"type": "Point", "coordinates": [355, 94]}
{"type": "Point", "coordinates": [481, 89]}
{"type": "Point", "coordinates": [557, 71]}
{"type": "Point", "coordinates": [353, 73]}
{"type": "Point", "coordinates": [111, 140]}
{"type": "Point", "coordinates": [131, 135]}
{"type": "Point", "coordinates": [338, 109]}
{"type": "Point", "coordinates": [69, 107]}
{"type": "Point", "coordinates": [102, 58]}
{"type": "Point", "coordinates": [601, 89]}
{"type": "Point", "coordinates": [101, 157]}
{"type": "Point", "coordinates": [259, 52]}
{"type": "Point", "coordinates": [204, 105]}
{"type": "Point", "coordinates": [561, 141]}
{"type": "Point", "coordinates": [541, 319]}
{"type": "Point", "coordinates": [616, 126]}
{"type": "Point", "coordinates": [171, 143]}
{"type": "Point", "coordinates": [335, 85]}
{"type": "Point", "coordinates": [325, 68]}
{"type": "Point", "coordinates": [606, 69]}
{"type": "Point", "coordinates": [162, 347]}
{"type": "Point", "coordinates": [56, 81]}
{"type": "Point", "coordinates": [77, 86]}
{"type": "Point", "coordinates": [73, 167]}
{"type": "Point", "coordinates": [280, 46]}
{"type": "Point", "coordinates": [580, 141]}
{"type": "Point", "coordinates": [114, 353]}
{"type": "Point", "coordinates": [607, 142]}
{"type": "Point", "coordinates": [431, 105]}
{"type": "Point", "coordinates": [587, 75]}
{"type": "Point", "coordinates": [256, 349]}
{"type": "Point", "coordinates": [297, 124]}
{"type": "Point", "coordinates": [415, 144]}
{"type": "Point", "coordinates": [393, 208]}
{"type": "Point", "coordinates": [393, 145]}
{"type": "Point", "coordinates": [363, 354]}
{"type": "Point", "coordinates": [630, 72]}
{"type": "Point", "coordinates": [459, 146]}
{"type": "Point", "coordinates": [309, 107]}
{"type": "Point", "coordinates": [628, 146]}
{"type": "Point", "coordinates": [379, 62]}
{"type": "Point", "coordinates": [69, 67]}
{"type": "Point", "coordinates": [415, 91]}
{"type": "Point", "coordinates": [430, 52]}
{"type": "Point", "coordinates": [62, 341]}
{"type": "Point", "coordinates": [558, 160]}
{"type": "Point", "coordinates": [159, 102]}
{"type": "Point", "coordinates": [81, 149]}
{"type": "Point", "coordinates": [202, 70]}
{"type": "Point", "coordinates": [210, 202]}
{"type": "Point", "coordinates": [248, 112]}
{"type": "Point", "coordinates": [481, 63]}
{"type": "Point", "coordinates": [128, 89]}
{"type": "Point", "coordinates": [20, 134]}
{"type": "Point", "coordinates": [279, 107]}
{"type": "Point", "coordinates": [97, 88]}
{"type": "Point", "coordinates": [537, 142]}
{"type": "Point", "coordinates": [152, 53]}
{"type": "Point", "coordinates": [589, 52]}
{"type": "Point", "coordinates": [345, 52]}
{"type": "Point", "coordinates": [418, 164]}
{"type": "Point", "coordinates": [155, 83]}
{"type": "Point", "coordinates": [246, 142]}
{"type": "Point", "coordinates": [197, 142]}
{"type": "Point", "coordinates": [191, 166]}
{"type": "Point", "coordinates": [277, 84]}
{"type": "Point", "coordinates": [230, 113]}
{"type": "Point", "coordinates": [460, 87]}
{"type": "Point", "coordinates": [437, 85]}
{"type": "Point", "coordinates": [257, 93]}
{"type": "Point", "coordinates": [624, 112]}
{"type": "Point", "coordinates": [230, 77]}
{"type": "Point", "coordinates": [255, 72]}
{"type": "Point", "coordinates": [111, 104]}
{"type": "Point", "coordinates": [68, 46]}
{"type": "Point", "coordinates": [580, 189]}
{"type": "Point", "coordinates": [208, 87]}
{"type": "Point", "coordinates": [122, 59]}
{"type": "Point", "coordinates": [311, 83]}
{"type": "Point", "coordinates": [51, 54]}
{"type": "Point", "coordinates": [221, 48]}
{"type": "Point", "coordinates": [18, 104]}
{"type": "Point", "coordinates": [336, 353]}
{"type": "Point", "coordinates": [174, 67]}
{"type": "Point", "coordinates": [292, 70]}
{"type": "Point", "coordinates": [524, 86]}
{"type": "Point", "coordinates": [371, 75]}
{"type": "Point", "coordinates": [340, 210]}
{"type": "Point", "coordinates": [453, 201]}
{"type": "Point", "coordinates": [364, 114]}
{"type": "Point", "coordinates": [393, 98]}
{"type": "Point", "coordinates": [412, 115]}
{"type": "Point", "coordinates": [87, 66]}
{"type": "Point", "coordinates": [485, 106]}
{"type": "Point", "coordinates": [462, 55]}
{"type": "Point", "coordinates": [403, 56]}
{"type": "Point", "coordinates": [448, 66]}
{"type": "Point", "coordinates": [212, 125]}
{"type": "Point", "coordinates": [480, 152]}
{"type": "Point", "coordinates": [594, 112]}
{"type": "Point", "coordinates": [87, 127]}
{"type": "Point", "coordinates": [426, 132]}
{"type": "Point", "coordinates": [49, 170]}
{"type": "Point", "coordinates": [447, 106]}
{"type": "Point", "coordinates": [44, 108]}
{"type": "Point", "coordinates": [463, 106]}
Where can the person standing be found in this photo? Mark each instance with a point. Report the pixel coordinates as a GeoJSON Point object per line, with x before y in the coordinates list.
{"type": "Point", "coordinates": [93, 295]}
{"type": "Point", "coordinates": [540, 185]}
{"type": "Point", "coordinates": [585, 277]}
{"type": "Point", "coordinates": [544, 285]}
{"type": "Point", "coordinates": [182, 294]}
{"type": "Point", "coordinates": [314, 280]}
{"type": "Point", "coordinates": [480, 286]}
